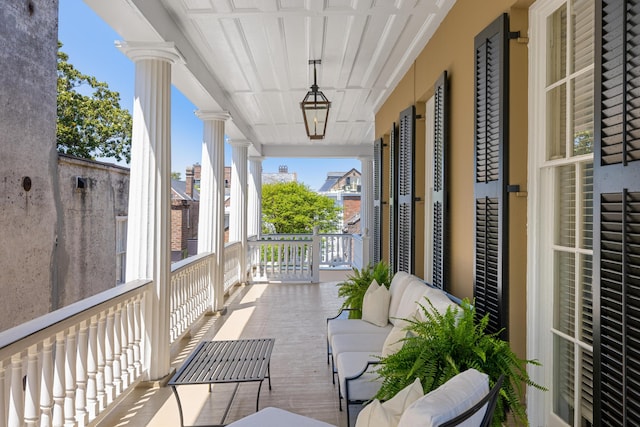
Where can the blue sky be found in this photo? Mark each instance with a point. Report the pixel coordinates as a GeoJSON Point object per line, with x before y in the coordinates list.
{"type": "Point", "coordinates": [89, 42]}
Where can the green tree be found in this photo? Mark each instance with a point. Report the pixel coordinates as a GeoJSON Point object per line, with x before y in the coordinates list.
{"type": "Point", "coordinates": [291, 207]}
{"type": "Point", "coordinates": [176, 175]}
{"type": "Point", "coordinates": [90, 122]}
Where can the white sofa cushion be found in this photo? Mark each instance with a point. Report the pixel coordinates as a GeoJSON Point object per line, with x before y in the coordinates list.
{"type": "Point", "coordinates": [375, 306]}
{"type": "Point", "coordinates": [438, 299]}
{"type": "Point", "coordinates": [352, 363]}
{"type": "Point", "coordinates": [407, 308]}
{"type": "Point", "coordinates": [355, 326]}
{"type": "Point", "coordinates": [372, 343]}
{"type": "Point", "coordinates": [396, 289]}
{"type": "Point", "coordinates": [274, 417]}
{"type": "Point", "coordinates": [394, 341]}
{"type": "Point", "coordinates": [388, 414]}
{"type": "Point", "coordinates": [448, 401]}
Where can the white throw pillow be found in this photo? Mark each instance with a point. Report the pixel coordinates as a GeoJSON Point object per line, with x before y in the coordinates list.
{"type": "Point", "coordinates": [388, 414]}
{"type": "Point", "coordinates": [375, 306]}
{"type": "Point", "coordinates": [394, 341]}
{"type": "Point", "coordinates": [396, 289]}
{"type": "Point", "coordinates": [448, 401]}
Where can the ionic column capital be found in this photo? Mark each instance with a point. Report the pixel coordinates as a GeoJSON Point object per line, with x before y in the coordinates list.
{"type": "Point", "coordinates": [205, 115]}
{"type": "Point", "coordinates": [138, 51]}
{"type": "Point", "coordinates": [239, 143]}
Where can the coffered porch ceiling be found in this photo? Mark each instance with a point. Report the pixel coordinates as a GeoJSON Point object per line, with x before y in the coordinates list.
{"type": "Point", "coordinates": [250, 58]}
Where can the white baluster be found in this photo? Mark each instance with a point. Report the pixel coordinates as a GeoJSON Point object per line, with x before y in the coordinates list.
{"type": "Point", "coordinates": [3, 418]}
{"type": "Point", "coordinates": [137, 334]}
{"type": "Point", "coordinates": [117, 352]}
{"type": "Point", "coordinates": [46, 384]}
{"type": "Point", "coordinates": [70, 380]}
{"type": "Point", "coordinates": [108, 358]}
{"type": "Point", "coordinates": [124, 343]}
{"type": "Point", "coordinates": [82, 416]}
{"type": "Point", "coordinates": [130, 340]}
{"type": "Point", "coordinates": [101, 341]}
{"type": "Point", "coordinates": [59, 381]}
{"type": "Point", "coordinates": [31, 402]}
{"type": "Point", "coordinates": [92, 369]}
{"type": "Point", "coordinates": [16, 396]}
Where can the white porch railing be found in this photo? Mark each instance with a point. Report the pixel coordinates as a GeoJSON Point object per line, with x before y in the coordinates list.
{"type": "Point", "coordinates": [336, 250]}
{"type": "Point", "coordinates": [66, 367]}
{"type": "Point", "coordinates": [232, 265]}
{"type": "Point", "coordinates": [281, 258]}
{"type": "Point", "coordinates": [190, 293]}
{"type": "Point", "coordinates": [296, 257]}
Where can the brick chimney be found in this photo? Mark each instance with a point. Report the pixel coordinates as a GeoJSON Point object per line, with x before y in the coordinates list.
{"type": "Point", "coordinates": [189, 178]}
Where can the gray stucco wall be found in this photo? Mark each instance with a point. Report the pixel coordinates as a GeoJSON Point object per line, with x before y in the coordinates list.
{"type": "Point", "coordinates": [28, 215]}
{"type": "Point", "coordinates": [87, 244]}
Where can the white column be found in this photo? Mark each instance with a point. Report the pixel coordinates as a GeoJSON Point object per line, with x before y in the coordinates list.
{"type": "Point", "coordinates": [238, 213]}
{"type": "Point", "coordinates": [211, 217]}
{"type": "Point", "coordinates": [254, 208]}
{"type": "Point", "coordinates": [149, 230]}
{"type": "Point", "coordinates": [366, 204]}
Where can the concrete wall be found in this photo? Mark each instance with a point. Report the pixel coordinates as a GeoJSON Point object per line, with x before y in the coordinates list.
{"type": "Point", "coordinates": [451, 49]}
{"type": "Point", "coordinates": [87, 243]}
{"type": "Point", "coordinates": [28, 159]}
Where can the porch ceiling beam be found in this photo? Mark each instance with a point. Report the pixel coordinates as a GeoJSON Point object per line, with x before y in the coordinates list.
{"type": "Point", "coordinates": [307, 150]}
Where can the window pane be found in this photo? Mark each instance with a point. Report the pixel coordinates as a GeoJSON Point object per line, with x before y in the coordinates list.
{"type": "Point", "coordinates": [582, 43]}
{"type": "Point", "coordinates": [565, 293]}
{"type": "Point", "coordinates": [582, 115]}
{"type": "Point", "coordinates": [563, 387]}
{"type": "Point", "coordinates": [587, 206]}
{"type": "Point", "coordinates": [566, 206]}
{"type": "Point", "coordinates": [556, 122]}
{"type": "Point", "coordinates": [556, 45]}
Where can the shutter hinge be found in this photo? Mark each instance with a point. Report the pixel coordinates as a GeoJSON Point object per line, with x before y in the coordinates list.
{"type": "Point", "coordinates": [417, 199]}
{"type": "Point", "coordinates": [515, 35]}
{"type": "Point", "coordinates": [516, 189]}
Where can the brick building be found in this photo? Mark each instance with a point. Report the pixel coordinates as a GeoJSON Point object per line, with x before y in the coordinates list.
{"type": "Point", "coordinates": [345, 188]}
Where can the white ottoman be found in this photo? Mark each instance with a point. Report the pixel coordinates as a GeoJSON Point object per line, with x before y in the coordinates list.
{"type": "Point", "coordinates": [274, 417]}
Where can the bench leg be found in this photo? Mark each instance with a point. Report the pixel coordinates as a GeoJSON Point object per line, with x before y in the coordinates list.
{"type": "Point", "coordinates": [175, 391]}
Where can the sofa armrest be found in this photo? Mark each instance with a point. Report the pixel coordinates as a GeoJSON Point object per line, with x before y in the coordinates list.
{"type": "Point", "coordinates": [342, 310]}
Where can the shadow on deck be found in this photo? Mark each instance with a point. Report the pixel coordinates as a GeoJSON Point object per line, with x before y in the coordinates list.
{"type": "Point", "coordinates": [293, 314]}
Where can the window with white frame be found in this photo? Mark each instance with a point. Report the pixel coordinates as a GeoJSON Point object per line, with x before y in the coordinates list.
{"type": "Point", "coordinates": [563, 168]}
{"type": "Point", "coordinates": [121, 249]}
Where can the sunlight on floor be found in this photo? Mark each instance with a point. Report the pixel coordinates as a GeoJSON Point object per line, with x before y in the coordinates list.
{"type": "Point", "coordinates": [235, 324]}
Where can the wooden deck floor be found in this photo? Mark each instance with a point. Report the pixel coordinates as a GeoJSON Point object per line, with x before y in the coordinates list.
{"type": "Point", "coordinates": [293, 314]}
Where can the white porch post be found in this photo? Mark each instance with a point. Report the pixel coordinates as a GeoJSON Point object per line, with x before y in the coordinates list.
{"type": "Point", "coordinates": [238, 214]}
{"type": "Point", "coordinates": [211, 217]}
{"type": "Point", "coordinates": [254, 210]}
{"type": "Point", "coordinates": [366, 207]}
{"type": "Point", "coordinates": [149, 230]}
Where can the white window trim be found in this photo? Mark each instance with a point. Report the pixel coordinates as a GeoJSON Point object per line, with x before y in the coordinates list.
{"type": "Point", "coordinates": [539, 265]}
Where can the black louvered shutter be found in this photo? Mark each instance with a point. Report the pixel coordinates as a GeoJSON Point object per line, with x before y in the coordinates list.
{"type": "Point", "coordinates": [377, 201]}
{"type": "Point", "coordinates": [439, 195]}
{"type": "Point", "coordinates": [491, 134]}
{"type": "Point", "coordinates": [405, 190]}
{"type": "Point", "coordinates": [393, 202]}
{"type": "Point", "coordinates": [617, 214]}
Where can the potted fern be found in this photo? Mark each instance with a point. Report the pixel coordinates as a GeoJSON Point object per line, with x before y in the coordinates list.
{"type": "Point", "coordinates": [443, 345]}
{"type": "Point", "coordinates": [354, 288]}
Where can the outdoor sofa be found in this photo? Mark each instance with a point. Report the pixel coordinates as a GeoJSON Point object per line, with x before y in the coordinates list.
{"type": "Point", "coordinates": [354, 346]}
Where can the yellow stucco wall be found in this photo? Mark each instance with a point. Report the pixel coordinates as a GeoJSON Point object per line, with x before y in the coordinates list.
{"type": "Point", "coordinates": [451, 49]}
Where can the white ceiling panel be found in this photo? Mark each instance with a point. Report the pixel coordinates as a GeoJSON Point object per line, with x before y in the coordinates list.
{"type": "Point", "coordinates": [251, 59]}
